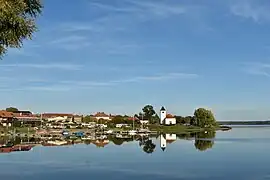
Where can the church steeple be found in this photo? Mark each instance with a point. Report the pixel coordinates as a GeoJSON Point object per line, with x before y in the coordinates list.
{"type": "Point", "coordinates": [162, 109]}
{"type": "Point", "coordinates": [162, 115]}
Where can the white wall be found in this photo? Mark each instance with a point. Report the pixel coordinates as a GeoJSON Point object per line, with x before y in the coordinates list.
{"type": "Point", "coordinates": [169, 121]}
{"type": "Point", "coordinates": [162, 116]}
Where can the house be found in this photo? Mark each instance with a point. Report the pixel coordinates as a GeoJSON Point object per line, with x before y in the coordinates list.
{"type": "Point", "coordinates": [57, 117]}
{"type": "Point", "coordinates": [6, 118]}
{"type": "Point", "coordinates": [77, 119]}
{"type": "Point", "coordinates": [166, 119]}
{"type": "Point", "coordinates": [142, 120]}
{"type": "Point", "coordinates": [121, 125]}
{"type": "Point", "coordinates": [102, 115]}
{"type": "Point", "coordinates": [32, 120]}
{"type": "Point", "coordinates": [22, 113]}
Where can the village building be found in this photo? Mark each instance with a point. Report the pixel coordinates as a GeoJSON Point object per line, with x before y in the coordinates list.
{"type": "Point", "coordinates": [102, 115]}
{"type": "Point", "coordinates": [57, 117]}
{"type": "Point", "coordinates": [6, 118]}
{"type": "Point", "coordinates": [166, 119]}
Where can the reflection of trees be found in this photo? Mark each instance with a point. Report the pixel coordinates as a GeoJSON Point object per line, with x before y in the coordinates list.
{"type": "Point", "coordinates": [147, 144]}
{"type": "Point", "coordinates": [119, 141]}
{"type": "Point", "coordinates": [204, 140]}
{"type": "Point", "coordinates": [186, 135]}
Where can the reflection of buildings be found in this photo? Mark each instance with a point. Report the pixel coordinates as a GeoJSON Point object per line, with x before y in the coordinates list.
{"type": "Point", "coordinates": [101, 143]}
{"type": "Point", "coordinates": [166, 119]}
{"type": "Point", "coordinates": [15, 148]}
{"type": "Point", "coordinates": [166, 139]}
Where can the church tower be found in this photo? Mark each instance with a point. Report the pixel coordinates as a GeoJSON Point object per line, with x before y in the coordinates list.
{"type": "Point", "coordinates": [163, 142]}
{"type": "Point", "coordinates": [162, 115]}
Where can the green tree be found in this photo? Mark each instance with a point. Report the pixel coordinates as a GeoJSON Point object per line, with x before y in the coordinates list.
{"type": "Point", "coordinates": [155, 119]}
{"type": "Point", "coordinates": [17, 22]}
{"type": "Point", "coordinates": [11, 109]}
{"type": "Point", "coordinates": [204, 140]}
{"type": "Point", "coordinates": [118, 120]}
{"type": "Point", "coordinates": [87, 119]}
{"type": "Point", "coordinates": [204, 118]}
{"type": "Point", "coordinates": [148, 111]}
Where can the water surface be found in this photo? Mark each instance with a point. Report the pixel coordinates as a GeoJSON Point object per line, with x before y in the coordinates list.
{"type": "Point", "coordinates": [241, 153]}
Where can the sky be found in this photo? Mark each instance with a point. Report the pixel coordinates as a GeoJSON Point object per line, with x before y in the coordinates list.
{"type": "Point", "coordinates": [118, 55]}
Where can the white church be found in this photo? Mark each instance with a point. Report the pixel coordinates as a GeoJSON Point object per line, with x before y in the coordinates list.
{"type": "Point", "coordinates": [166, 119]}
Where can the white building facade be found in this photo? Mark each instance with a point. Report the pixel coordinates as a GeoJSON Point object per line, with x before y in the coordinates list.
{"type": "Point", "coordinates": [166, 119]}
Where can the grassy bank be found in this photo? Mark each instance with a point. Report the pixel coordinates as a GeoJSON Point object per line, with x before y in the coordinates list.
{"type": "Point", "coordinates": [175, 129]}
{"type": "Point", "coordinates": [184, 129]}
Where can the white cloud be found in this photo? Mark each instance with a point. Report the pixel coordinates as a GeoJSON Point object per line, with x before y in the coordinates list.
{"type": "Point", "coordinates": [71, 42]}
{"type": "Point", "coordinates": [67, 85]}
{"type": "Point", "coordinates": [254, 11]}
{"type": "Point", "coordinates": [144, 9]}
{"type": "Point", "coordinates": [261, 69]}
{"type": "Point", "coordinates": [62, 66]}
{"type": "Point", "coordinates": [169, 76]}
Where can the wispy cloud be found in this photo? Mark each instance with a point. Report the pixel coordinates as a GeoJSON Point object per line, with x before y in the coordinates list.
{"type": "Point", "coordinates": [61, 66]}
{"type": "Point", "coordinates": [144, 9]}
{"type": "Point", "coordinates": [162, 77]}
{"type": "Point", "coordinates": [261, 69]}
{"type": "Point", "coordinates": [67, 85]}
{"type": "Point", "coordinates": [71, 42]}
{"type": "Point", "coordinates": [254, 11]}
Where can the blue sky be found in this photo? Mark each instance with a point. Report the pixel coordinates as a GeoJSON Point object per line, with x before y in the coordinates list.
{"type": "Point", "coordinates": [118, 55]}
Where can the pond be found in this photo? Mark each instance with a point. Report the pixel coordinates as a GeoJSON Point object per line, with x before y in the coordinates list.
{"type": "Point", "coordinates": [241, 153]}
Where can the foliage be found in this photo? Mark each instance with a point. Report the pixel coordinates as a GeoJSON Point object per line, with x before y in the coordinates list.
{"type": "Point", "coordinates": [17, 124]}
{"type": "Point", "coordinates": [148, 111]}
{"type": "Point", "coordinates": [204, 118]}
{"type": "Point", "coordinates": [11, 109]}
{"type": "Point", "coordinates": [174, 129]}
{"type": "Point", "coordinates": [184, 120]}
{"type": "Point", "coordinates": [155, 119]}
{"type": "Point", "coordinates": [118, 120]}
{"type": "Point", "coordinates": [87, 119]}
{"type": "Point", "coordinates": [204, 140]}
{"type": "Point", "coordinates": [17, 22]}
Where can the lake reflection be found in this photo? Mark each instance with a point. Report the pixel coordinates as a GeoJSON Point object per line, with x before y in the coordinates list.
{"type": "Point", "coordinates": [148, 143]}
{"type": "Point", "coordinates": [241, 153]}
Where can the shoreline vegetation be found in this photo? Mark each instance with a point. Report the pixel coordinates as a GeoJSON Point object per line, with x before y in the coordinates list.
{"type": "Point", "coordinates": [203, 120]}
{"type": "Point", "coordinates": [244, 122]}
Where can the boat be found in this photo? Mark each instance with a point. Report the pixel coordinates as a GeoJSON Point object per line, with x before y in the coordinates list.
{"type": "Point", "coordinates": [87, 138]}
{"type": "Point", "coordinates": [132, 132]}
{"type": "Point", "coordinates": [108, 132]}
{"type": "Point", "coordinates": [57, 142]}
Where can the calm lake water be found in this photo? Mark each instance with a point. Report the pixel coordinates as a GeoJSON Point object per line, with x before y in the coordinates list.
{"type": "Point", "coordinates": [239, 154]}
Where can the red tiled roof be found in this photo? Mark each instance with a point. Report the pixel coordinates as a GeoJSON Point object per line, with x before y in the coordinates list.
{"type": "Point", "coordinates": [56, 114]}
{"type": "Point", "coordinates": [131, 118]}
{"type": "Point", "coordinates": [101, 114]}
{"type": "Point", "coordinates": [6, 114]}
{"type": "Point", "coordinates": [100, 143]}
{"type": "Point", "coordinates": [169, 116]}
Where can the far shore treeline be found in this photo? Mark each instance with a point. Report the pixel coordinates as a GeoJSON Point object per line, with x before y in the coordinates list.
{"type": "Point", "coordinates": [244, 122]}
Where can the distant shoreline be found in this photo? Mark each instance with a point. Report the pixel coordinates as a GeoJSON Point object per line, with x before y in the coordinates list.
{"type": "Point", "coordinates": [244, 122]}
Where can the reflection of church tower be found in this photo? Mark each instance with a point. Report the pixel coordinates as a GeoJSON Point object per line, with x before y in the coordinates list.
{"type": "Point", "coordinates": [162, 115]}
{"type": "Point", "coordinates": [163, 142]}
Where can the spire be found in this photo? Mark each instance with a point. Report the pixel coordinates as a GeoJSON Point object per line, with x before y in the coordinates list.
{"type": "Point", "coordinates": [162, 108]}
{"type": "Point", "coordinates": [163, 148]}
